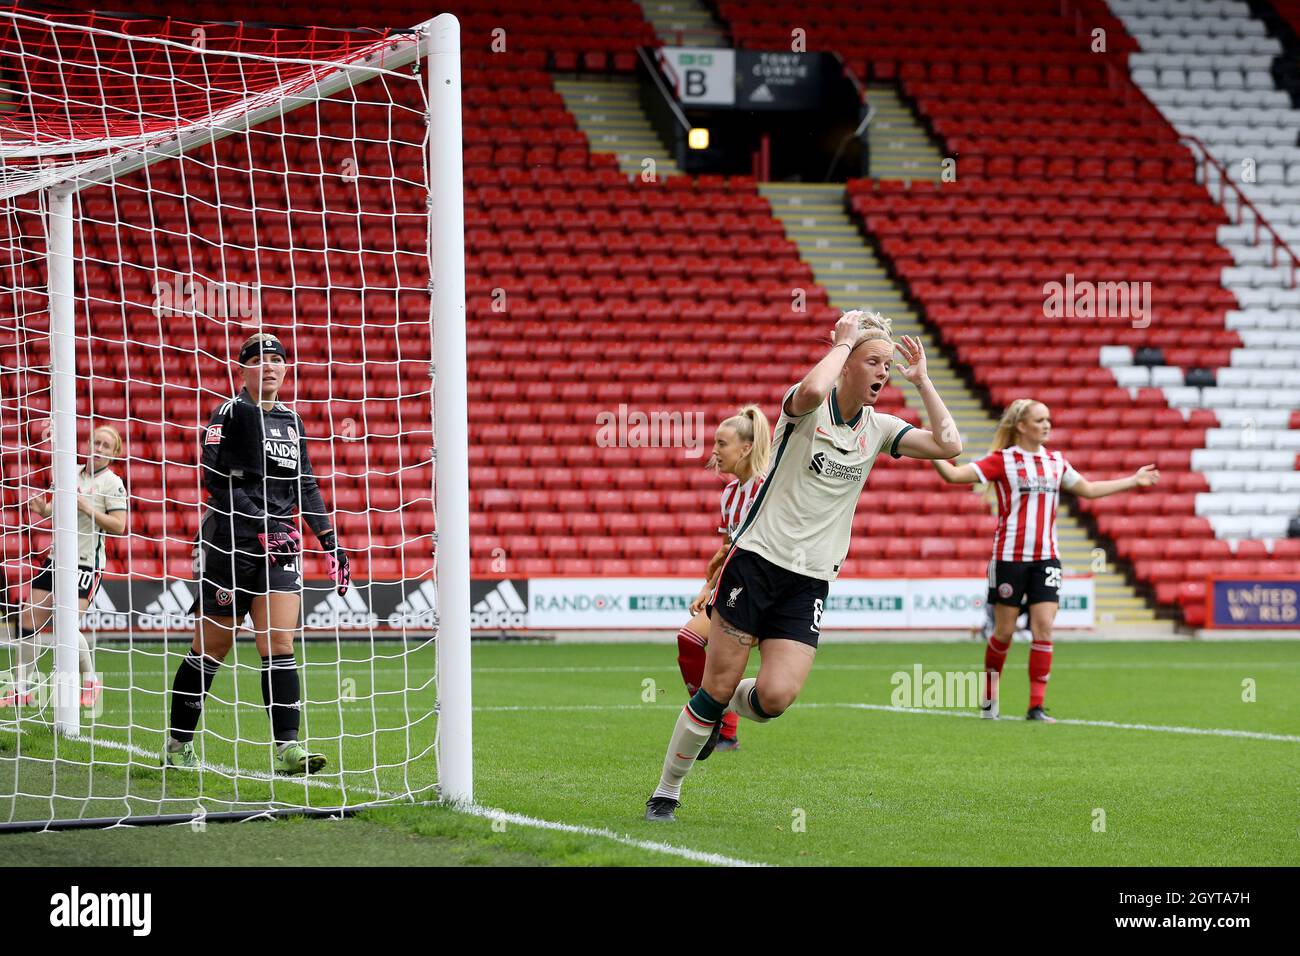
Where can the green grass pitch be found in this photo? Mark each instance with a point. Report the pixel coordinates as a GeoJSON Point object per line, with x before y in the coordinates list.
{"type": "Point", "coordinates": [574, 734]}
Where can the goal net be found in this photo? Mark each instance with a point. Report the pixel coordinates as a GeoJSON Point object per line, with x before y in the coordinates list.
{"type": "Point", "coordinates": [168, 190]}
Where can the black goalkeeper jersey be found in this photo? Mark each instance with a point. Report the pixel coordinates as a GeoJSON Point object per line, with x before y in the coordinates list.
{"type": "Point", "coordinates": [255, 467]}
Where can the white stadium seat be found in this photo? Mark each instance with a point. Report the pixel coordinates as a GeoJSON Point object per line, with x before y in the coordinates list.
{"type": "Point", "coordinates": [1166, 375]}
{"type": "Point", "coordinates": [1132, 376]}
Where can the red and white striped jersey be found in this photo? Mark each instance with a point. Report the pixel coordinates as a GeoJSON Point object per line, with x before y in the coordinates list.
{"type": "Point", "coordinates": [736, 499]}
{"type": "Point", "coordinates": [1028, 485]}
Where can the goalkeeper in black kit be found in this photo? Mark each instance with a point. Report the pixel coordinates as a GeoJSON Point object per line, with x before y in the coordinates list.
{"type": "Point", "coordinates": [248, 556]}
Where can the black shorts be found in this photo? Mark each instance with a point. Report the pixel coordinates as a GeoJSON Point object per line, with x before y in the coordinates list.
{"type": "Point", "coordinates": [766, 600]}
{"type": "Point", "coordinates": [227, 588]}
{"type": "Point", "coordinates": [1034, 582]}
{"type": "Point", "coordinates": [87, 580]}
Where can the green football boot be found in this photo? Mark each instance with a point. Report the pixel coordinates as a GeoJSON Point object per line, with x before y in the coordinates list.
{"type": "Point", "coordinates": [294, 759]}
{"type": "Point", "coordinates": [183, 759]}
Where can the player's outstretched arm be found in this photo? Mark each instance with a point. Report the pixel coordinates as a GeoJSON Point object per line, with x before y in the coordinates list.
{"type": "Point", "coordinates": [1144, 477]}
{"type": "Point", "coordinates": [956, 474]}
{"type": "Point", "coordinates": [817, 384]}
{"type": "Point", "coordinates": [942, 440]}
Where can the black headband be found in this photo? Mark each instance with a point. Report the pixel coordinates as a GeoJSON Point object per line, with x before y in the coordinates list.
{"type": "Point", "coordinates": [262, 347]}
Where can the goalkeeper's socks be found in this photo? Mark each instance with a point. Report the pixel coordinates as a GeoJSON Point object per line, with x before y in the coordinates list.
{"type": "Point", "coordinates": [282, 692]}
{"type": "Point", "coordinates": [690, 658]}
{"type": "Point", "coordinates": [193, 680]}
{"type": "Point", "coordinates": [745, 701]}
{"type": "Point", "coordinates": [694, 725]}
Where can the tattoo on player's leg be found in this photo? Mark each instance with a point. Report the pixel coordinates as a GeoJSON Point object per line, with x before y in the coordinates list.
{"type": "Point", "coordinates": [742, 638]}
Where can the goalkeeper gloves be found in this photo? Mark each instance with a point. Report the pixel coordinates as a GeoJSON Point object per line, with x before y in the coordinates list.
{"type": "Point", "coordinates": [282, 542]}
{"type": "Point", "coordinates": [336, 560]}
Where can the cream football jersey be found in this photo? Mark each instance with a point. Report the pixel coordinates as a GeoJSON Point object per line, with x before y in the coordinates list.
{"type": "Point", "coordinates": [802, 518]}
{"type": "Point", "coordinates": [107, 493]}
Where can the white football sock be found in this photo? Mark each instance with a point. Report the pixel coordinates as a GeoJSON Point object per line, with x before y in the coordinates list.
{"type": "Point", "coordinates": [688, 739]}
{"type": "Point", "coordinates": [26, 669]}
{"type": "Point", "coordinates": [85, 657]}
{"type": "Point", "coordinates": [740, 701]}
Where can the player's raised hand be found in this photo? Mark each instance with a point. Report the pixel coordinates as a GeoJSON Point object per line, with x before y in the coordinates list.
{"type": "Point", "coordinates": [1146, 476]}
{"type": "Point", "coordinates": [846, 331]}
{"type": "Point", "coordinates": [913, 365]}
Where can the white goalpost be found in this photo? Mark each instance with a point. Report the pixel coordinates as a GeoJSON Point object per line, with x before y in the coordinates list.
{"type": "Point", "coordinates": [167, 190]}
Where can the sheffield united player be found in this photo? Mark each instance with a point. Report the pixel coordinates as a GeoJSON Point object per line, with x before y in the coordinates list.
{"type": "Point", "coordinates": [774, 580]}
{"type": "Point", "coordinates": [742, 446]}
{"type": "Point", "coordinates": [1026, 562]}
{"type": "Point", "coordinates": [248, 559]}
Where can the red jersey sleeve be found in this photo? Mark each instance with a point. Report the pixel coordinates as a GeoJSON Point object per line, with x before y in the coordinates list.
{"type": "Point", "coordinates": [990, 467]}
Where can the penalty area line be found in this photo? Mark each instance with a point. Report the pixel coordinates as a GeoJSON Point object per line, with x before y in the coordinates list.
{"type": "Point", "coordinates": [1108, 724]}
{"type": "Point", "coordinates": [686, 853]}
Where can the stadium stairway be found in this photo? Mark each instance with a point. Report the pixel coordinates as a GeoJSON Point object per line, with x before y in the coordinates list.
{"type": "Point", "coordinates": [898, 145]}
{"type": "Point", "coordinates": [815, 217]}
{"type": "Point", "coordinates": [684, 23]}
{"type": "Point", "coordinates": [608, 112]}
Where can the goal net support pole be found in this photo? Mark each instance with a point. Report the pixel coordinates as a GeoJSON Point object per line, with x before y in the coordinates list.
{"type": "Point", "coordinates": [451, 425]}
{"type": "Point", "coordinates": [63, 414]}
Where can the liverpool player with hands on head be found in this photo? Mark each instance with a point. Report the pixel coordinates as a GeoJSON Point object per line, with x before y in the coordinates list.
{"type": "Point", "coordinates": [248, 559]}
{"type": "Point", "coordinates": [1026, 562]}
{"type": "Point", "coordinates": [742, 446]}
{"type": "Point", "coordinates": [772, 588]}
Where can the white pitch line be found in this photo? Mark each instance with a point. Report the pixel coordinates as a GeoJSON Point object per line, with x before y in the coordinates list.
{"type": "Point", "coordinates": [697, 856]}
{"type": "Point", "coordinates": [1110, 724]}
{"type": "Point", "coordinates": [904, 665]}
{"type": "Point", "coordinates": [507, 708]}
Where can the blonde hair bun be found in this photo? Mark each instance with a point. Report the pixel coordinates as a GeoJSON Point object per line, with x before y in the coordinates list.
{"type": "Point", "coordinates": [873, 325]}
